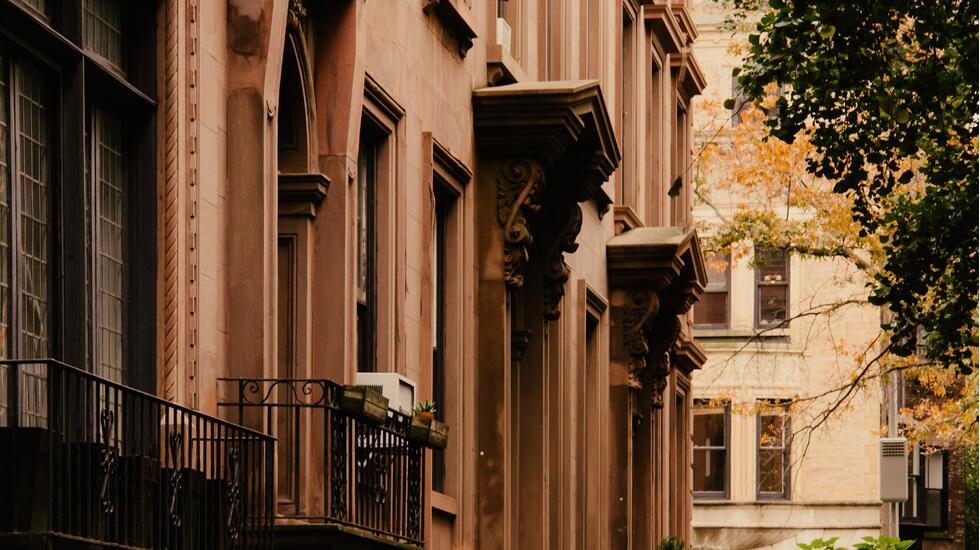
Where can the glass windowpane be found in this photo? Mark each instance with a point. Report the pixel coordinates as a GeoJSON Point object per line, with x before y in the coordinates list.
{"type": "Point", "coordinates": [102, 29]}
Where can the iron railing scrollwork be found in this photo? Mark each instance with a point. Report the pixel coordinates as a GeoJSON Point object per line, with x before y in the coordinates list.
{"type": "Point", "coordinates": [98, 461]}
{"type": "Point", "coordinates": [372, 475]}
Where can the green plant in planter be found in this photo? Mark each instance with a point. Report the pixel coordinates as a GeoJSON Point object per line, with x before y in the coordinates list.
{"type": "Point", "coordinates": [425, 429]}
{"type": "Point", "coordinates": [426, 408]}
{"type": "Point", "coordinates": [670, 543]}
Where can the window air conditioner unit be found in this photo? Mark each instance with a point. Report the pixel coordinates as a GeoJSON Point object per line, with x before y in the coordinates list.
{"type": "Point", "coordinates": [503, 34]}
{"type": "Point", "coordinates": [894, 469]}
{"type": "Point", "coordinates": [399, 390]}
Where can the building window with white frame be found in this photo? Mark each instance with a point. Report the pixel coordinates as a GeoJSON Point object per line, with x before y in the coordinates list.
{"type": "Point", "coordinates": [712, 310]}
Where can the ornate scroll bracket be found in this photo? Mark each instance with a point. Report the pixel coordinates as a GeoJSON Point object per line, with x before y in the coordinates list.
{"type": "Point", "coordinates": [664, 338]}
{"type": "Point", "coordinates": [640, 308]}
{"type": "Point", "coordinates": [557, 271]}
{"type": "Point", "coordinates": [519, 187]}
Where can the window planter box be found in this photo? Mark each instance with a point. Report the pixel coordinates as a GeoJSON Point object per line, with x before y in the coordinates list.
{"type": "Point", "coordinates": [364, 403]}
{"type": "Point", "coordinates": [428, 432]}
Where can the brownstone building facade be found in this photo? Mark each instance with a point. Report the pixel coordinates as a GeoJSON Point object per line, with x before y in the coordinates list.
{"type": "Point", "coordinates": [218, 213]}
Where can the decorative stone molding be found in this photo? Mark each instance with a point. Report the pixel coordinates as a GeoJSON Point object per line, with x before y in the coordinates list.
{"type": "Point", "coordinates": [519, 339]}
{"type": "Point", "coordinates": [688, 76]}
{"type": "Point", "coordinates": [569, 145]}
{"type": "Point", "coordinates": [663, 339]}
{"type": "Point", "coordinates": [640, 308]}
{"type": "Point", "coordinates": [556, 271]}
{"type": "Point", "coordinates": [518, 188]}
{"type": "Point", "coordinates": [665, 26]}
{"type": "Point", "coordinates": [666, 264]}
{"type": "Point", "coordinates": [302, 194]}
{"type": "Point", "coordinates": [456, 19]}
{"type": "Point", "coordinates": [687, 356]}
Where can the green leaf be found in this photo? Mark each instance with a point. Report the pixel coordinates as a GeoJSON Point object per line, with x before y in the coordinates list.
{"type": "Point", "coordinates": [675, 188]}
{"type": "Point", "coordinates": [730, 103]}
{"type": "Point", "coordinates": [827, 31]}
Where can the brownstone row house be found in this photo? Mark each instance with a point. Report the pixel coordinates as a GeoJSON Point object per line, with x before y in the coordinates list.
{"type": "Point", "coordinates": [215, 214]}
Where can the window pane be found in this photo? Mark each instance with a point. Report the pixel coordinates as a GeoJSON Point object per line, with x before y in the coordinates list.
{"type": "Point", "coordinates": [773, 266]}
{"type": "Point", "coordinates": [111, 262]}
{"type": "Point", "coordinates": [712, 309]}
{"type": "Point", "coordinates": [709, 430]}
{"type": "Point", "coordinates": [771, 471]}
{"type": "Point", "coordinates": [4, 215]}
{"type": "Point", "coordinates": [718, 279]}
{"type": "Point", "coordinates": [102, 29]}
{"type": "Point", "coordinates": [709, 470]}
{"type": "Point", "coordinates": [771, 431]}
{"type": "Point", "coordinates": [772, 304]}
{"type": "Point", "coordinates": [34, 181]}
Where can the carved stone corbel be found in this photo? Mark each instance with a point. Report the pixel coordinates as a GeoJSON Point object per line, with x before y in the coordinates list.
{"type": "Point", "coordinates": [639, 310]}
{"type": "Point", "coordinates": [556, 270]}
{"type": "Point", "coordinates": [519, 187]}
{"type": "Point", "coordinates": [662, 341]}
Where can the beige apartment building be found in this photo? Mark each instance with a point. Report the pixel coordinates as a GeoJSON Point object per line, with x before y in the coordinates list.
{"type": "Point", "coordinates": [755, 484]}
{"type": "Point", "coordinates": [222, 219]}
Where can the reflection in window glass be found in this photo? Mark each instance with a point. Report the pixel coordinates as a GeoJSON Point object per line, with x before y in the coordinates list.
{"type": "Point", "coordinates": [772, 294]}
{"type": "Point", "coordinates": [773, 454]}
{"type": "Point", "coordinates": [111, 262]}
{"type": "Point", "coordinates": [710, 452]}
{"type": "Point", "coordinates": [102, 29]}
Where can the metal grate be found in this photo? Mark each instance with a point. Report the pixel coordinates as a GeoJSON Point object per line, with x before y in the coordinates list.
{"type": "Point", "coordinates": [892, 447]}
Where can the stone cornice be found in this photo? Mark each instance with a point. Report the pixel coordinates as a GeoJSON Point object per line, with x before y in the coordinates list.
{"type": "Point", "coordinates": [665, 27]}
{"type": "Point", "coordinates": [685, 20]}
{"type": "Point", "coordinates": [688, 76]}
{"type": "Point", "coordinates": [649, 257]}
{"type": "Point", "coordinates": [564, 124]}
{"type": "Point", "coordinates": [687, 355]}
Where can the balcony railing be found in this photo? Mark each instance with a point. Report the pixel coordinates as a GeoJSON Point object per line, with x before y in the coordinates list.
{"type": "Point", "coordinates": [372, 476]}
{"type": "Point", "coordinates": [82, 457]}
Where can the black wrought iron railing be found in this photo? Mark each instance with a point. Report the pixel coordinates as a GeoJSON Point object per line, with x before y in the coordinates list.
{"type": "Point", "coordinates": [372, 475]}
{"type": "Point", "coordinates": [85, 457]}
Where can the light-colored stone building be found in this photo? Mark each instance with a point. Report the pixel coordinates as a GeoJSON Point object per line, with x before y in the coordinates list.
{"type": "Point", "coordinates": [239, 206]}
{"type": "Point", "coordinates": [755, 484]}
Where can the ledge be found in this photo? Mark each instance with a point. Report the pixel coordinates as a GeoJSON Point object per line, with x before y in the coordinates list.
{"type": "Point", "coordinates": [456, 18]}
{"type": "Point", "coordinates": [331, 536]}
{"type": "Point", "coordinates": [687, 355]}
{"type": "Point", "coordinates": [687, 74]}
{"type": "Point", "coordinates": [564, 124]}
{"type": "Point", "coordinates": [655, 257]}
{"type": "Point", "coordinates": [502, 68]}
{"type": "Point", "coordinates": [625, 218]}
{"type": "Point", "coordinates": [665, 27]}
{"type": "Point", "coordinates": [302, 194]}
{"type": "Point", "coordinates": [685, 20]}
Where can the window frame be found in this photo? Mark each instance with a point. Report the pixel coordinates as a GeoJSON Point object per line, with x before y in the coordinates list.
{"type": "Point", "coordinates": [728, 299]}
{"type": "Point", "coordinates": [757, 297]}
{"type": "Point", "coordinates": [700, 406]}
{"type": "Point", "coordinates": [81, 83]}
{"type": "Point", "coordinates": [785, 448]}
